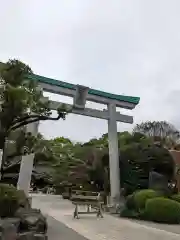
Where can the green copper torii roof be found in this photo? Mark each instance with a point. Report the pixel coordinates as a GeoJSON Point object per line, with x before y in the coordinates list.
{"type": "Point", "coordinates": [54, 82]}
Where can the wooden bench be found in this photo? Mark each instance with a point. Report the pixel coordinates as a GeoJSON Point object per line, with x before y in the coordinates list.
{"type": "Point", "coordinates": [92, 200]}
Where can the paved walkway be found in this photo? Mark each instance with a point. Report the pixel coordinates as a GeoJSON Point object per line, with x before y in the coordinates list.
{"type": "Point", "coordinates": [59, 231]}
{"type": "Point", "coordinates": [108, 228]}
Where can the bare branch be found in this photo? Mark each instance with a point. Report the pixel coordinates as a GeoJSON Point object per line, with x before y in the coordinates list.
{"type": "Point", "coordinates": [36, 119]}
{"type": "Point", "coordinates": [22, 119]}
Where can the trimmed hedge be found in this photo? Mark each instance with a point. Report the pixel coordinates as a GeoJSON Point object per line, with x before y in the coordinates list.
{"type": "Point", "coordinates": [162, 210]}
{"type": "Point", "coordinates": [142, 196]}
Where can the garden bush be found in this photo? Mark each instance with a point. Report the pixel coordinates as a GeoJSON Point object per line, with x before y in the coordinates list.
{"type": "Point", "coordinates": [162, 210]}
{"type": "Point", "coordinates": [142, 196]}
{"type": "Point", "coordinates": [44, 190]}
{"type": "Point", "coordinates": [9, 200]}
{"type": "Point", "coordinates": [129, 213]}
{"type": "Point", "coordinates": [130, 203]}
{"type": "Point", "coordinates": [176, 197]}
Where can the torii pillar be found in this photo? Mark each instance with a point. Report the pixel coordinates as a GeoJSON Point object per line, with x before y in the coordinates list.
{"type": "Point", "coordinates": [113, 155]}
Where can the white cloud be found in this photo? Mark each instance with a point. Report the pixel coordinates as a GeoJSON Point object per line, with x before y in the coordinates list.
{"type": "Point", "coordinates": [124, 47]}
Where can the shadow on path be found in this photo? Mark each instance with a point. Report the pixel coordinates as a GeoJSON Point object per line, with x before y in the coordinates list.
{"type": "Point", "coordinates": [57, 231]}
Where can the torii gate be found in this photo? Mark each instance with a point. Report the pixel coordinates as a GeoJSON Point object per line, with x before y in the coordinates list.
{"type": "Point", "coordinates": [80, 94]}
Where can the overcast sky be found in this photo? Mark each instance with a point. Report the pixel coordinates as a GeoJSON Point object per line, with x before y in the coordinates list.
{"type": "Point", "coordinates": [129, 47]}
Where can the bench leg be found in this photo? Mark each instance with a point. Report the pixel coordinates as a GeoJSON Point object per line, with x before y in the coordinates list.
{"type": "Point", "coordinates": [88, 208]}
{"type": "Point", "coordinates": [76, 212]}
{"type": "Point", "coordinates": [99, 212]}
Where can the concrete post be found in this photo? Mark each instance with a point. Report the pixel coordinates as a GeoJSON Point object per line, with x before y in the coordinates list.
{"type": "Point", "coordinates": [25, 173]}
{"type": "Point", "coordinates": [27, 163]}
{"type": "Point", "coordinates": [113, 155]}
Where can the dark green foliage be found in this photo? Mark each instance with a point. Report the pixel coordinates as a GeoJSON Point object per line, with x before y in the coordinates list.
{"type": "Point", "coordinates": [138, 159]}
{"type": "Point", "coordinates": [134, 169]}
{"type": "Point", "coordinates": [85, 164]}
{"type": "Point", "coordinates": [21, 103]}
{"type": "Point", "coordinates": [160, 160]}
{"type": "Point", "coordinates": [88, 164]}
{"type": "Point", "coordinates": [176, 197]}
{"type": "Point", "coordinates": [59, 189]}
{"type": "Point", "coordinates": [9, 200]}
{"type": "Point", "coordinates": [130, 203]}
{"type": "Point", "coordinates": [162, 210]}
{"type": "Point", "coordinates": [129, 213]}
{"type": "Point", "coordinates": [152, 206]}
{"type": "Point", "coordinates": [142, 196]}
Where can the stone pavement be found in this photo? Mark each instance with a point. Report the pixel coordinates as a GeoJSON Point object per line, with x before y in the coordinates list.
{"type": "Point", "coordinates": [108, 228]}
{"type": "Point", "coordinates": [58, 231]}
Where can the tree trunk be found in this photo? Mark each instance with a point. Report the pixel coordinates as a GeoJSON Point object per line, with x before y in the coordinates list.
{"type": "Point", "coordinates": [3, 138]}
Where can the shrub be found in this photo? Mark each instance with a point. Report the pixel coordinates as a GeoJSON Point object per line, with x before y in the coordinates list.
{"type": "Point", "coordinates": [176, 197]}
{"type": "Point", "coordinates": [162, 210]}
{"type": "Point", "coordinates": [9, 200]}
{"type": "Point", "coordinates": [142, 196]}
{"type": "Point", "coordinates": [44, 190]}
{"type": "Point", "coordinates": [129, 213]}
{"type": "Point", "coordinates": [130, 203]}
{"type": "Point", "coordinates": [58, 189]}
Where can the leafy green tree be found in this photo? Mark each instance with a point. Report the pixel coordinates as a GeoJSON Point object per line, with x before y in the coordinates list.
{"type": "Point", "coordinates": [160, 131]}
{"type": "Point", "coordinates": [21, 101]}
{"type": "Point", "coordinates": [66, 157]}
{"type": "Point", "coordinates": [137, 161]}
{"type": "Point", "coordinates": [88, 164]}
{"type": "Point", "coordinates": [138, 156]}
{"type": "Point", "coordinates": [99, 143]}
